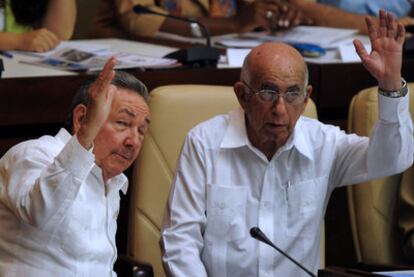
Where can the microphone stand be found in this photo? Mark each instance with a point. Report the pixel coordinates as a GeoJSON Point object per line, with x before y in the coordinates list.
{"type": "Point", "coordinates": [198, 56]}
{"type": "Point", "coordinates": [1, 67]}
{"type": "Point", "coordinates": [256, 233]}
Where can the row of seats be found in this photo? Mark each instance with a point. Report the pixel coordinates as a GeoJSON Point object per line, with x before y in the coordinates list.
{"type": "Point", "coordinates": [176, 109]}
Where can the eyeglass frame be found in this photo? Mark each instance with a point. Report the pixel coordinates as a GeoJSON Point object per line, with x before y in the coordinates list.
{"type": "Point", "coordinates": [275, 95]}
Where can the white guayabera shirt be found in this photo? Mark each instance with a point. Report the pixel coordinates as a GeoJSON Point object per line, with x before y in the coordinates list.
{"type": "Point", "coordinates": [57, 218]}
{"type": "Point", "coordinates": [224, 186]}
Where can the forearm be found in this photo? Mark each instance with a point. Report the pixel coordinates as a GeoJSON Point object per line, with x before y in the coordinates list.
{"type": "Point", "coordinates": [10, 41]}
{"type": "Point", "coordinates": [60, 18]}
{"type": "Point", "coordinates": [41, 186]}
{"type": "Point", "coordinates": [324, 15]}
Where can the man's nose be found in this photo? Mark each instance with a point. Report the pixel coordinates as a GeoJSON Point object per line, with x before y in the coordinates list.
{"type": "Point", "coordinates": [133, 139]}
{"type": "Point", "coordinates": [279, 106]}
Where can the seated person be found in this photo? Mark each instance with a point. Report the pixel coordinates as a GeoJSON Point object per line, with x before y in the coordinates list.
{"type": "Point", "coordinates": [36, 25]}
{"type": "Point", "coordinates": [59, 196]}
{"type": "Point", "coordinates": [266, 165]}
{"type": "Point", "coordinates": [351, 13]}
{"type": "Point", "coordinates": [115, 18]}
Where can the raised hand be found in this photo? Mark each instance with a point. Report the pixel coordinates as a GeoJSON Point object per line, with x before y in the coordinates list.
{"type": "Point", "coordinates": [100, 93]}
{"type": "Point", "coordinates": [385, 60]}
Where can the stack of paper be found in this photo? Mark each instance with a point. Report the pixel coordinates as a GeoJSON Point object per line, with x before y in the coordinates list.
{"type": "Point", "coordinates": [78, 56]}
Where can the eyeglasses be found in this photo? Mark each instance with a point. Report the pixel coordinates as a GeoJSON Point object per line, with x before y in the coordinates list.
{"type": "Point", "coordinates": [269, 95]}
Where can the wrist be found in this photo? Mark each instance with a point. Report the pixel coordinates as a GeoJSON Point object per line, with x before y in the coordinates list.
{"type": "Point", "coordinates": [395, 93]}
{"type": "Point", "coordinates": [86, 136]}
{"type": "Point", "coordinates": [391, 84]}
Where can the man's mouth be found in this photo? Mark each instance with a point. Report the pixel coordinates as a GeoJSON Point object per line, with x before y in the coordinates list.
{"type": "Point", "coordinates": [125, 156]}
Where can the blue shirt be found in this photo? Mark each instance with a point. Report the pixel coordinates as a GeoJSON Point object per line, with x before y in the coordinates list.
{"type": "Point", "coordinates": [399, 8]}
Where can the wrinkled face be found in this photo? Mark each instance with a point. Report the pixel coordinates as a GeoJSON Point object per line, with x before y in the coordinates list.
{"type": "Point", "coordinates": [118, 142]}
{"type": "Point", "coordinates": [269, 124]}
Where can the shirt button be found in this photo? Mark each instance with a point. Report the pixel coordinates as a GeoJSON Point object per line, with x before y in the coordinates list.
{"type": "Point", "coordinates": [266, 204]}
{"type": "Point", "coordinates": [222, 205]}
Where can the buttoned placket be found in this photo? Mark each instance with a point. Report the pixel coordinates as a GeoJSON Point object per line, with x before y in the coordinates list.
{"type": "Point", "coordinates": [266, 221]}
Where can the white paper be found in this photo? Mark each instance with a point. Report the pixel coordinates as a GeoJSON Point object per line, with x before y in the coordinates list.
{"type": "Point", "coordinates": [323, 36]}
{"type": "Point", "coordinates": [402, 273]}
{"type": "Point", "coordinates": [235, 57]}
{"type": "Point", "coordinates": [75, 60]}
{"type": "Point", "coordinates": [348, 54]}
{"type": "Point", "coordinates": [78, 45]}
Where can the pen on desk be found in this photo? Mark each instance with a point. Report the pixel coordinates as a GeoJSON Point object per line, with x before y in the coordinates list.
{"type": "Point", "coordinates": [6, 54]}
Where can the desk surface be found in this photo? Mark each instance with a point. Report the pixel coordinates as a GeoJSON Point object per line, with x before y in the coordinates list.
{"type": "Point", "coordinates": [14, 68]}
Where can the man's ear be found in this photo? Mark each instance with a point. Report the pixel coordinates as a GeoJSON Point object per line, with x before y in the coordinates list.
{"type": "Point", "coordinates": [309, 90]}
{"type": "Point", "coordinates": [241, 94]}
{"type": "Point", "coordinates": [79, 113]}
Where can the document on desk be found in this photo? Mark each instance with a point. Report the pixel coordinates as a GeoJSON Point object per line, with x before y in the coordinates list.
{"type": "Point", "coordinates": [71, 59]}
{"type": "Point", "coordinates": [78, 45]}
{"type": "Point", "coordinates": [322, 36]}
{"type": "Point", "coordinates": [400, 273]}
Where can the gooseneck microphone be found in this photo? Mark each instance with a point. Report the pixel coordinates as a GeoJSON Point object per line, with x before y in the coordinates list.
{"type": "Point", "coordinates": [256, 233]}
{"type": "Point", "coordinates": [139, 9]}
{"type": "Point", "coordinates": [1, 67]}
{"type": "Point", "coordinates": [200, 55]}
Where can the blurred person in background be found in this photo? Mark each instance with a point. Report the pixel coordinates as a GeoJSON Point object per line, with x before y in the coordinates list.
{"type": "Point", "coordinates": [35, 25]}
{"type": "Point", "coordinates": [352, 13]}
{"type": "Point", "coordinates": [116, 18]}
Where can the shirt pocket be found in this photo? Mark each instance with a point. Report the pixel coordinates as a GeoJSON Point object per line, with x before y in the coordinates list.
{"type": "Point", "coordinates": [74, 231]}
{"type": "Point", "coordinates": [305, 206]}
{"type": "Point", "coordinates": [226, 213]}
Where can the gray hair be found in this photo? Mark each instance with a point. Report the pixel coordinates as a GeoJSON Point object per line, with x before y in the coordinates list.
{"type": "Point", "coordinates": [121, 80]}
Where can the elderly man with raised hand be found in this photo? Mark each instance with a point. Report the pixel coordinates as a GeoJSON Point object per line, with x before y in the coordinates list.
{"type": "Point", "coordinates": [266, 165]}
{"type": "Point", "coordinates": [59, 196]}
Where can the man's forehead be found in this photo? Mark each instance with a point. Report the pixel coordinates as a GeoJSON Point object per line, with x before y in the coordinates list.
{"type": "Point", "coordinates": [130, 102]}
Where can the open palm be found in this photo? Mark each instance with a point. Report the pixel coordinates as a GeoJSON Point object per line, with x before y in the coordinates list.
{"type": "Point", "coordinates": [385, 60]}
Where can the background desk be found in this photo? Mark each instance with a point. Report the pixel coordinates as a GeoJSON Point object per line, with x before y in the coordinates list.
{"type": "Point", "coordinates": [31, 106]}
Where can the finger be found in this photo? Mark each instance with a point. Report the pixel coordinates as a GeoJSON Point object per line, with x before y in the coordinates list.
{"type": "Point", "coordinates": [105, 75]}
{"type": "Point", "coordinates": [360, 49]}
{"type": "Point", "coordinates": [391, 25]}
{"type": "Point", "coordinates": [372, 30]}
{"type": "Point", "coordinates": [289, 18]}
{"type": "Point", "coordinates": [50, 40]}
{"type": "Point", "coordinates": [104, 78]}
{"type": "Point", "coordinates": [382, 23]}
{"type": "Point", "coordinates": [400, 33]}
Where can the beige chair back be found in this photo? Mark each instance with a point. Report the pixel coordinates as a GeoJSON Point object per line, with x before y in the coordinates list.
{"type": "Point", "coordinates": [373, 205]}
{"type": "Point", "coordinates": [175, 109]}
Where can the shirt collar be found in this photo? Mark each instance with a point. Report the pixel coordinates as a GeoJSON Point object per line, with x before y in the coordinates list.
{"type": "Point", "coordinates": [236, 135]}
{"type": "Point", "coordinates": [63, 136]}
{"type": "Point", "coordinates": [119, 182]}
{"type": "Point", "coordinates": [298, 140]}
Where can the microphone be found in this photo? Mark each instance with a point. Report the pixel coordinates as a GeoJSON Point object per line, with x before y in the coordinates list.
{"type": "Point", "coordinates": [256, 233]}
{"type": "Point", "coordinates": [1, 67]}
{"type": "Point", "coordinates": [195, 56]}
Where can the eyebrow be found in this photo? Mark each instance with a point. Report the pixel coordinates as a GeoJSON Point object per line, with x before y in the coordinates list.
{"type": "Point", "coordinates": [125, 110]}
{"type": "Point", "coordinates": [276, 87]}
{"type": "Point", "coordinates": [293, 88]}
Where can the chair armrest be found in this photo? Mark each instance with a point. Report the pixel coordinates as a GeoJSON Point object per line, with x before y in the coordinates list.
{"type": "Point", "coordinates": [128, 267]}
